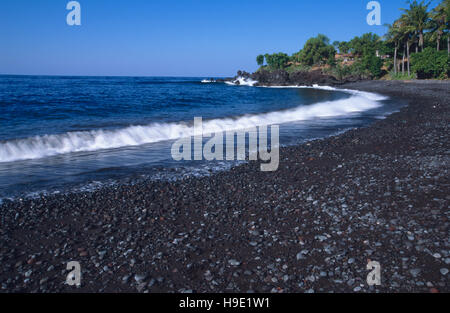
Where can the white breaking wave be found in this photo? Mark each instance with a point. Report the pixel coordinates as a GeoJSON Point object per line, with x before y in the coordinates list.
{"type": "Point", "coordinates": [241, 81]}
{"type": "Point", "coordinates": [368, 95]}
{"type": "Point", "coordinates": [82, 141]}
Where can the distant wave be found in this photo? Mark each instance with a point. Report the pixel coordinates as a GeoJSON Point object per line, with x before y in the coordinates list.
{"type": "Point", "coordinates": [241, 81]}
{"type": "Point", "coordinates": [368, 95]}
{"type": "Point", "coordinates": [81, 141]}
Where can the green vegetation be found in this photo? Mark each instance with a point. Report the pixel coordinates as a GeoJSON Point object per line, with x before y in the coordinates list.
{"type": "Point", "coordinates": [317, 51]}
{"type": "Point", "coordinates": [342, 71]}
{"type": "Point", "coordinates": [277, 61]}
{"type": "Point", "coordinates": [371, 62]}
{"type": "Point", "coordinates": [431, 64]}
{"type": "Point", "coordinates": [260, 59]}
{"type": "Point", "coordinates": [367, 42]}
{"type": "Point", "coordinates": [416, 45]}
{"type": "Point", "coordinates": [344, 47]}
{"type": "Point", "coordinates": [298, 68]}
{"type": "Point", "coordinates": [400, 76]}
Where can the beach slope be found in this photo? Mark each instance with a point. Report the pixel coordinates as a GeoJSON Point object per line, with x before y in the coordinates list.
{"type": "Point", "coordinates": [379, 193]}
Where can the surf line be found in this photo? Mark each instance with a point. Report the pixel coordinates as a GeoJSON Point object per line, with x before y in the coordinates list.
{"type": "Point", "coordinates": [213, 149]}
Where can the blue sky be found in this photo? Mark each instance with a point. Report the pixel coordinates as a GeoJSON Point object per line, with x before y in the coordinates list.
{"type": "Point", "coordinates": [170, 37]}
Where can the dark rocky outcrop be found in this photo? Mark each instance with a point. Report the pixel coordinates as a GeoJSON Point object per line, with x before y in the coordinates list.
{"type": "Point", "coordinates": [272, 78]}
{"type": "Point", "coordinates": [284, 78]}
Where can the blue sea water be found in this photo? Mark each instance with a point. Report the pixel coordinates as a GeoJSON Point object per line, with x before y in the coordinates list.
{"type": "Point", "coordinates": [63, 134]}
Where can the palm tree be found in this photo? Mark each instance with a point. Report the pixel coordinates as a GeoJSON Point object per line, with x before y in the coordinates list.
{"type": "Point", "coordinates": [446, 5]}
{"type": "Point", "coordinates": [406, 35]}
{"type": "Point", "coordinates": [418, 17]}
{"type": "Point", "coordinates": [439, 22]}
{"type": "Point", "coordinates": [394, 36]}
{"type": "Point", "coordinates": [447, 10]}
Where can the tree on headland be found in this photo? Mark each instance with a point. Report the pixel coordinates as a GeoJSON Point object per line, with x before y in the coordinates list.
{"type": "Point", "coordinates": [277, 60]}
{"type": "Point", "coordinates": [371, 41]}
{"type": "Point", "coordinates": [344, 47]}
{"type": "Point", "coordinates": [336, 44]}
{"type": "Point", "coordinates": [260, 60]}
{"type": "Point", "coordinates": [317, 50]}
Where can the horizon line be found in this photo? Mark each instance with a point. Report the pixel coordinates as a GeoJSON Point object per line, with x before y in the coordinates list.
{"type": "Point", "coordinates": [141, 76]}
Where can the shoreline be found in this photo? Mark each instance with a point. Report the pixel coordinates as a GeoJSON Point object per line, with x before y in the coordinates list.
{"type": "Point", "coordinates": [379, 193]}
{"type": "Point", "coordinates": [132, 178]}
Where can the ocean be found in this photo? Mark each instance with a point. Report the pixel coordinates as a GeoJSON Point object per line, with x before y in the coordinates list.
{"type": "Point", "coordinates": [69, 134]}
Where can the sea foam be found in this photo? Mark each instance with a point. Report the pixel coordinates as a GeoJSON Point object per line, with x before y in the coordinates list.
{"type": "Point", "coordinates": [241, 81]}
{"type": "Point", "coordinates": [83, 141]}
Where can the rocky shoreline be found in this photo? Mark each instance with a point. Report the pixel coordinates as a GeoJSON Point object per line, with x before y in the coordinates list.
{"type": "Point", "coordinates": [284, 78]}
{"type": "Point", "coordinates": [379, 193]}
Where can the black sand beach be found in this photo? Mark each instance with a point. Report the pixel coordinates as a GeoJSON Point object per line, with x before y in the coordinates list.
{"type": "Point", "coordinates": [380, 193]}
